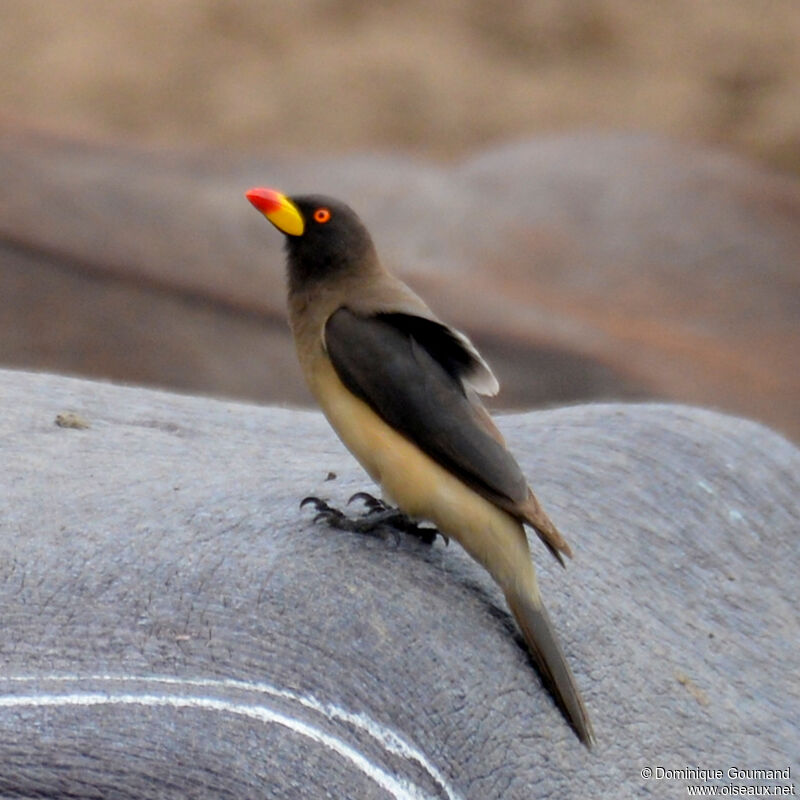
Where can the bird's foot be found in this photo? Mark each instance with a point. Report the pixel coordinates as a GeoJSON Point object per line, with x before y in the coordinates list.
{"type": "Point", "coordinates": [384, 514]}
{"type": "Point", "coordinates": [377, 516]}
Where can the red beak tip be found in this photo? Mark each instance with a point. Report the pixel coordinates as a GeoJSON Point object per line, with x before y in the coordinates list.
{"type": "Point", "coordinates": [265, 200]}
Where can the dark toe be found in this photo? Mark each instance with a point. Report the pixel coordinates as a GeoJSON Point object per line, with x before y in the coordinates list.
{"type": "Point", "coordinates": [372, 503]}
{"type": "Point", "coordinates": [320, 505]}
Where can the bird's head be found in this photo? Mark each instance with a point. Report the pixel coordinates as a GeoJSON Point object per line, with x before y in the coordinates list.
{"type": "Point", "coordinates": [324, 237]}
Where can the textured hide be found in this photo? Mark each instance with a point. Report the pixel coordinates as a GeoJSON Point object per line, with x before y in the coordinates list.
{"type": "Point", "coordinates": [174, 626]}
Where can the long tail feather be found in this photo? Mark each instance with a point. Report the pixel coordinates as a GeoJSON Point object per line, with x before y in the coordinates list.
{"type": "Point", "coordinates": [540, 637]}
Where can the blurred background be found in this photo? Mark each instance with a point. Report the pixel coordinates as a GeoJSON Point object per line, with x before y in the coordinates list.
{"type": "Point", "coordinates": [604, 193]}
{"type": "Point", "coordinates": [431, 77]}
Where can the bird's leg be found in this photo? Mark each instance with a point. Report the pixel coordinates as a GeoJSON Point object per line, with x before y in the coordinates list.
{"type": "Point", "coordinates": [378, 515]}
{"type": "Point", "coordinates": [383, 514]}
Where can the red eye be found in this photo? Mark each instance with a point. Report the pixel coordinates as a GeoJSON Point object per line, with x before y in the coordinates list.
{"type": "Point", "coordinates": [322, 215]}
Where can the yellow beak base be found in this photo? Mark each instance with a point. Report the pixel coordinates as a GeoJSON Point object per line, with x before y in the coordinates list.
{"type": "Point", "coordinates": [287, 218]}
{"type": "Point", "coordinates": [278, 209]}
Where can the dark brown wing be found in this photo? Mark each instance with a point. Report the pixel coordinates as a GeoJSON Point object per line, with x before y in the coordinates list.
{"type": "Point", "coordinates": [411, 371]}
{"type": "Point", "coordinates": [408, 370]}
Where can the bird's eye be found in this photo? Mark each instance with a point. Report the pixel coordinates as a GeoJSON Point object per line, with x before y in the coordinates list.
{"type": "Point", "coordinates": [322, 215]}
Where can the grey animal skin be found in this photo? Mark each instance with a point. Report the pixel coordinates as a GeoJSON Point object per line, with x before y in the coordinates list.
{"type": "Point", "coordinates": [173, 626]}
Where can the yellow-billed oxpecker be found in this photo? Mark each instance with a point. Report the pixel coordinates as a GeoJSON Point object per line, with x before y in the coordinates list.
{"type": "Point", "coordinates": [401, 389]}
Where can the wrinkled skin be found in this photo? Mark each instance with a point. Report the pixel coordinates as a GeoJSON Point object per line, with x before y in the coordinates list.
{"type": "Point", "coordinates": [164, 602]}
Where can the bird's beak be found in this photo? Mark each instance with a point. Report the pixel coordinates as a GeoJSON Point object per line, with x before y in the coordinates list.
{"type": "Point", "coordinates": [278, 209]}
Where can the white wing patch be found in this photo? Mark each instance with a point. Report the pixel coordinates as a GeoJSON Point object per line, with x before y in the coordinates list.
{"type": "Point", "coordinates": [480, 378]}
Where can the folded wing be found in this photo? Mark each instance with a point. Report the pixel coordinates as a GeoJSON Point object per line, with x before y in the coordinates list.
{"type": "Point", "coordinates": [409, 370]}
{"type": "Point", "coordinates": [415, 374]}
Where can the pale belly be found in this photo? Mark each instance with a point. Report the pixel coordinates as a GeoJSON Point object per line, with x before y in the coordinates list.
{"type": "Point", "coordinates": [419, 485]}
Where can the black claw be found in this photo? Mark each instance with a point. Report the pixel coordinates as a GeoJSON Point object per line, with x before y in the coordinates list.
{"type": "Point", "coordinates": [317, 503]}
{"type": "Point", "coordinates": [372, 503]}
{"type": "Point", "coordinates": [367, 498]}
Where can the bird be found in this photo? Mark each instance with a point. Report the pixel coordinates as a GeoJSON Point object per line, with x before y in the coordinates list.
{"type": "Point", "coordinates": [402, 389]}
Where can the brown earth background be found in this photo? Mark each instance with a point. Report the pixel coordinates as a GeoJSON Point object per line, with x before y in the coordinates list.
{"type": "Point", "coordinates": [431, 77]}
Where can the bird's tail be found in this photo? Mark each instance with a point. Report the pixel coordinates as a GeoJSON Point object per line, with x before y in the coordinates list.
{"type": "Point", "coordinates": [532, 617]}
{"type": "Point", "coordinates": [533, 514]}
